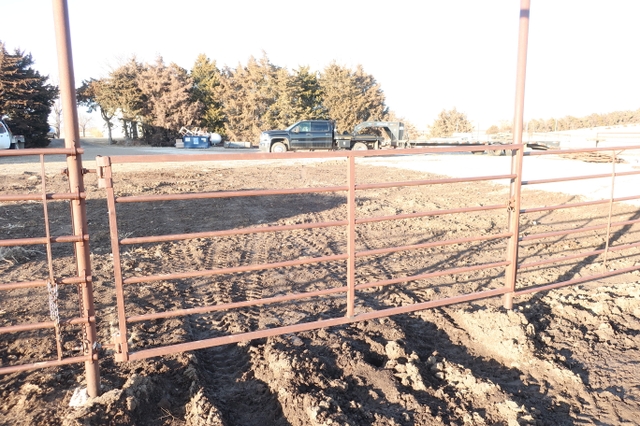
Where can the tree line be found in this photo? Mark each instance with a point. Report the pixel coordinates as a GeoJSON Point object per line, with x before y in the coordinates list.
{"type": "Point", "coordinates": [154, 101]}
{"type": "Point", "coordinates": [26, 97]}
{"type": "Point", "coordinates": [569, 122]}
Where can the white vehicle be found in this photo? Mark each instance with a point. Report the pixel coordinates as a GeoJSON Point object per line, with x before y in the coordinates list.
{"type": "Point", "coordinates": [7, 139]}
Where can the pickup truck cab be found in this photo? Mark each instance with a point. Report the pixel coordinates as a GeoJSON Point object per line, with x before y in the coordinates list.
{"type": "Point", "coordinates": [7, 139]}
{"type": "Point", "coordinates": [308, 134]}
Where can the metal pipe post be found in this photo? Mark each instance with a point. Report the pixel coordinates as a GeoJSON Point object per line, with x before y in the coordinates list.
{"type": "Point", "coordinates": [517, 155]}
{"type": "Point", "coordinates": [351, 235]}
{"type": "Point", "coordinates": [76, 185]}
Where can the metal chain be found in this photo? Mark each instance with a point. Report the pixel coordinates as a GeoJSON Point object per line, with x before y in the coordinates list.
{"type": "Point", "coordinates": [52, 289]}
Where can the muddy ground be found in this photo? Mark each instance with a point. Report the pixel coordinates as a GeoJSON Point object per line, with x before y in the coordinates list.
{"type": "Point", "coordinates": [562, 357]}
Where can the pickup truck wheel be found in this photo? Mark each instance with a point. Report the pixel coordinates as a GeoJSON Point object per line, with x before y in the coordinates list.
{"type": "Point", "coordinates": [278, 147]}
{"type": "Point", "coordinates": [359, 146]}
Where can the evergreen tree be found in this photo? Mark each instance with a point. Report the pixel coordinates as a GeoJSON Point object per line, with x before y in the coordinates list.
{"type": "Point", "coordinates": [94, 96]}
{"type": "Point", "coordinates": [122, 89]}
{"type": "Point", "coordinates": [206, 89]}
{"type": "Point", "coordinates": [25, 97]}
{"type": "Point", "coordinates": [450, 122]}
{"type": "Point", "coordinates": [247, 93]}
{"type": "Point", "coordinates": [298, 97]}
{"type": "Point", "coordinates": [351, 97]}
{"type": "Point", "coordinates": [308, 95]}
{"type": "Point", "coordinates": [169, 104]}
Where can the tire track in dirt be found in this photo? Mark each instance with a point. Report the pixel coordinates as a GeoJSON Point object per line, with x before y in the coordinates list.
{"type": "Point", "coordinates": [224, 372]}
{"type": "Point", "coordinates": [222, 368]}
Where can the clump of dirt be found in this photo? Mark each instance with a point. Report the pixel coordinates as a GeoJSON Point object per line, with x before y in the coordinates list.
{"type": "Point", "coordinates": [560, 357]}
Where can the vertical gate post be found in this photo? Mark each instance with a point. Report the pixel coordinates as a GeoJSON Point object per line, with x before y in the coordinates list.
{"type": "Point", "coordinates": [105, 180]}
{"type": "Point", "coordinates": [351, 234]}
{"type": "Point", "coordinates": [76, 185]}
{"type": "Point", "coordinates": [517, 155]}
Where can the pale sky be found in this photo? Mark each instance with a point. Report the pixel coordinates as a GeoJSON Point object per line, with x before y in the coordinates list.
{"type": "Point", "coordinates": [427, 55]}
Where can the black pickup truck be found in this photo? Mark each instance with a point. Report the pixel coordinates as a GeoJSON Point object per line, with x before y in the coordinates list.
{"type": "Point", "coordinates": [321, 134]}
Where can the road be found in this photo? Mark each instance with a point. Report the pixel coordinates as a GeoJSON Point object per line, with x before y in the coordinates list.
{"type": "Point", "coordinates": [457, 165]}
{"type": "Point", "coordinates": [96, 147]}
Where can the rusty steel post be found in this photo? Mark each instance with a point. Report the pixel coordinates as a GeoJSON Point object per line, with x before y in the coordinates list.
{"type": "Point", "coordinates": [611, 198]}
{"type": "Point", "coordinates": [106, 181]}
{"type": "Point", "coordinates": [351, 235]}
{"type": "Point", "coordinates": [517, 155]}
{"type": "Point", "coordinates": [76, 185]}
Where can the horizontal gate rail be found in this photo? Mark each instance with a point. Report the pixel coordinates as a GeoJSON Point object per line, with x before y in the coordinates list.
{"type": "Point", "coordinates": [204, 157]}
{"type": "Point", "coordinates": [221, 271]}
{"type": "Point", "coordinates": [572, 178]}
{"type": "Point", "coordinates": [42, 283]}
{"type": "Point", "coordinates": [577, 230]}
{"type": "Point", "coordinates": [582, 204]}
{"type": "Point", "coordinates": [42, 240]}
{"type": "Point", "coordinates": [43, 364]}
{"type": "Point", "coordinates": [36, 197]}
{"type": "Point", "coordinates": [43, 325]}
{"type": "Point", "coordinates": [453, 271]}
{"type": "Point", "coordinates": [581, 255]}
{"type": "Point", "coordinates": [243, 231]}
{"type": "Point", "coordinates": [429, 213]}
{"type": "Point", "coordinates": [41, 151]}
{"type": "Point", "coordinates": [545, 287]}
{"type": "Point", "coordinates": [225, 194]}
{"type": "Point", "coordinates": [583, 150]}
{"type": "Point", "coordinates": [234, 305]}
{"type": "Point", "coordinates": [441, 181]}
{"type": "Point", "coordinates": [432, 244]}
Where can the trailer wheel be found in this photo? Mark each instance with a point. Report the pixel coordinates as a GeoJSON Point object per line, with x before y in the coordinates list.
{"type": "Point", "coordinates": [359, 146]}
{"type": "Point", "coordinates": [278, 147]}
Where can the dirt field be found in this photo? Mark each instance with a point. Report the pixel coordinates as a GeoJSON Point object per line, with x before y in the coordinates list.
{"type": "Point", "coordinates": [562, 357]}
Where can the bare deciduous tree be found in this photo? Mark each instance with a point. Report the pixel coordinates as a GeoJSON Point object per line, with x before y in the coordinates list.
{"type": "Point", "coordinates": [83, 122]}
{"type": "Point", "coordinates": [56, 113]}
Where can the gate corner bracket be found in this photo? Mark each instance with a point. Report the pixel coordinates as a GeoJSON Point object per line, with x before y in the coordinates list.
{"type": "Point", "coordinates": [103, 170]}
{"type": "Point", "coordinates": [120, 348]}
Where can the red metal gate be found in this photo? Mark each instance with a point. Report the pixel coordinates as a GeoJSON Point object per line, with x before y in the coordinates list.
{"type": "Point", "coordinates": [50, 285]}
{"type": "Point", "coordinates": [349, 289]}
{"type": "Point", "coordinates": [512, 262]}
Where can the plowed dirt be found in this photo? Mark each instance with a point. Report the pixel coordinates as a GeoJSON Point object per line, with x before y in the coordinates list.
{"type": "Point", "coordinates": [562, 357]}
